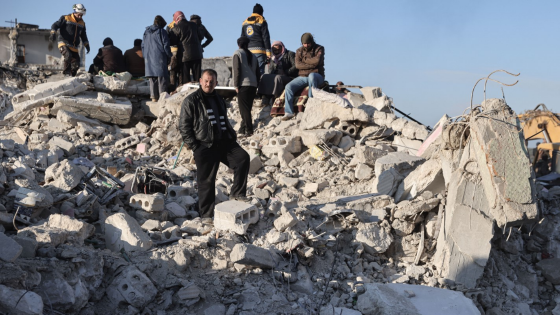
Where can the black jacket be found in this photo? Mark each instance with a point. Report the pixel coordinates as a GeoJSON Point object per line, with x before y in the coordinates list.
{"type": "Point", "coordinates": [255, 28]}
{"type": "Point", "coordinates": [185, 35]}
{"type": "Point", "coordinates": [202, 34]}
{"type": "Point", "coordinates": [194, 124]}
{"type": "Point", "coordinates": [71, 32]}
{"type": "Point", "coordinates": [288, 65]}
{"type": "Point", "coordinates": [110, 58]}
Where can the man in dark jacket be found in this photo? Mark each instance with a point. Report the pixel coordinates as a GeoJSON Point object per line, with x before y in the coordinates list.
{"type": "Point", "coordinates": [157, 54]}
{"type": "Point", "coordinates": [206, 130]}
{"type": "Point", "coordinates": [134, 59]}
{"type": "Point", "coordinates": [310, 61]}
{"type": "Point", "coordinates": [71, 32]}
{"type": "Point", "coordinates": [185, 35]}
{"type": "Point", "coordinates": [255, 28]}
{"type": "Point", "coordinates": [109, 58]}
{"type": "Point", "coordinates": [202, 31]}
{"type": "Point", "coordinates": [281, 70]}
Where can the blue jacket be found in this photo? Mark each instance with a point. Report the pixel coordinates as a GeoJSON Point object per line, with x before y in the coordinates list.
{"type": "Point", "coordinates": [156, 51]}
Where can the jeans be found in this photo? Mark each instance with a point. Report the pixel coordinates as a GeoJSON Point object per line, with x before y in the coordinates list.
{"type": "Point", "coordinates": [262, 61]}
{"type": "Point", "coordinates": [158, 85]}
{"type": "Point", "coordinates": [313, 80]}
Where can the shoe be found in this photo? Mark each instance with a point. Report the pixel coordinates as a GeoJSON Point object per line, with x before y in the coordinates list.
{"type": "Point", "coordinates": [244, 135]}
{"type": "Point", "coordinates": [154, 100]}
{"type": "Point", "coordinates": [265, 101]}
{"type": "Point", "coordinates": [242, 198]}
{"type": "Point", "coordinates": [288, 116]}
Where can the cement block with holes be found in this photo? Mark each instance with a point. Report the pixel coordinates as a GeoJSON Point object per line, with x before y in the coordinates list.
{"type": "Point", "coordinates": [127, 142]}
{"type": "Point", "coordinates": [176, 191]}
{"type": "Point", "coordinates": [133, 287]}
{"type": "Point", "coordinates": [235, 216]}
{"type": "Point", "coordinates": [66, 146]}
{"type": "Point", "coordinates": [348, 128]}
{"type": "Point", "coordinates": [251, 255]}
{"type": "Point", "coordinates": [150, 203]}
{"type": "Point", "coordinates": [254, 144]}
{"type": "Point", "coordinates": [275, 145]}
{"type": "Point", "coordinates": [85, 130]}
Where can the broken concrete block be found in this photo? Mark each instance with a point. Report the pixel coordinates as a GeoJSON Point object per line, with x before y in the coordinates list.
{"type": "Point", "coordinates": [235, 216]}
{"type": "Point", "coordinates": [251, 255]}
{"type": "Point", "coordinates": [382, 104]}
{"type": "Point", "coordinates": [151, 225]}
{"type": "Point", "coordinates": [317, 136]}
{"type": "Point", "coordinates": [115, 113]}
{"type": "Point", "coordinates": [317, 113]}
{"type": "Point", "coordinates": [150, 203]}
{"type": "Point", "coordinates": [46, 93]}
{"type": "Point", "coordinates": [23, 170]}
{"type": "Point", "coordinates": [414, 130]}
{"type": "Point", "coordinates": [81, 229]}
{"type": "Point", "coordinates": [64, 175]}
{"type": "Point", "coordinates": [371, 93]}
{"type": "Point", "coordinates": [123, 231]}
{"type": "Point", "coordinates": [280, 144]}
{"type": "Point", "coordinates": [256, 164]}
{"type": "Point", "coordinates": [288, 181]}
{"type": "Point", "coordinates": [29, 246]}
{"type": "Point", "coordinates": [176, 210]}
{"type": "Point", "coordinates": [115, 85]}
{"type": "Point", "coordinates": [363, 172]}
{"type": "Point", "coordinates": [127, 142]}
{"type": "Point", "coordinates": [84, 130]}
{"type": "Point", "coordinates": [427, 177]}
{"type": "Point", "coordinates": [348, 128]}
{"type": "Point", "coordinates": [176, 191]}
{"type": "Point", "coordinates": [66, 146]}
{"type": "Point", "coordinates": [9, 249]}
{"type": "Point", "coordinates": [73, 118]}
{"type": "Point", "coordinates": [387, 182]}
{"type": "Point", "coordinates": [142, 127]}
{"type": "Point", "coordinates": [133, 287]}
{"type": "Point", "coordinates": [56, 126]}
{"type": "Point", "coordinates": [403, 163]}
{"type": "Point", "coordinates": [399, 124]}
{"type": "Point", "coordinates": [550, 270]}
{"type": "Point", "coordinates": [285, 221]}
{"type": "Point", "coordinates": [367, 155]}
{"type": "Point", "coordinates": [310, 189]}
{"type": "Point", "coordinates": [384, 119]}
{"type": "Point", "coordinates": [346, 143]}
{"type": "Point", "coordinates": [410, 209]}
{"type": "Point", "coordinates": [24, 302]}
{"type": "Point", "coordinates": [406, 145]}
{"type": "Point", "coordinates": [396, 299]}
{"type": "Point", "coordinates": [375, 238]}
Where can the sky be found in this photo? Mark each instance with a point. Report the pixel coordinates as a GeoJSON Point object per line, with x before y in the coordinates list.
{"type": "Point", "coordinates": [426, 55]}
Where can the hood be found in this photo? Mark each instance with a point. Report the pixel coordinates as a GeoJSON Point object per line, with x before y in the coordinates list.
{"type": "Point", "coordinates": [152, 28]}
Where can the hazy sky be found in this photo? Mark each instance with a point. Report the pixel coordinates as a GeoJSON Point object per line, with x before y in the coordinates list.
{"type": "Point", "coordinates": [426, 55]}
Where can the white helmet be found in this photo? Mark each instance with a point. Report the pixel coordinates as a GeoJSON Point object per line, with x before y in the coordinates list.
{"type": "Point", "coordinates": [79, 8]}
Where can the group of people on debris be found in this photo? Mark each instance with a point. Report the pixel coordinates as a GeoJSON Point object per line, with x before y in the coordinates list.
{"type": "Point", "coordinates": [170, 53]}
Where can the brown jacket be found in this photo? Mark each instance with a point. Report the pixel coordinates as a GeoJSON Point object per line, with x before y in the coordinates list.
{"type": "Point", "coordinates": [311, 61]}
{"type": "Point", "coordinates": [109, 58]}
{"type": "Point", "coordinates": [134, 61]}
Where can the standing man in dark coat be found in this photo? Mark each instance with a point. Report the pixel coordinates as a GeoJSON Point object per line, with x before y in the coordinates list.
{"type": "Point", "coordinates": [185, 35]}
{"type": "Point", "coordinates": [255, 28]}
{"type": "Point", "coordinates": [72, 31]}
{"type": "Point", "coordinates": [157, 55]}
{"type": "Point", "coordinates": [109, 58]}
{"type": "Point", "coordinates": [134, 59]}
{"type": "Point", "coordinates": [202, 31]}
{"type": "Point", "coordinates": [206, 130]}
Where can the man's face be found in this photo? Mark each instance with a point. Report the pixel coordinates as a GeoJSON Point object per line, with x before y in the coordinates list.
{"type": "Point", "coordinates": [78, 16]}
{"type": "Point", "coordinates": [276, 49]}
{"type": "Point", "coordinates": [307, 46]}
{"type": "Point", "coordinates": [208, 82]}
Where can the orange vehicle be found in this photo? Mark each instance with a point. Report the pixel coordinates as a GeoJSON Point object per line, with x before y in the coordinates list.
{"type": "Point", "coordinates": [542, 124]}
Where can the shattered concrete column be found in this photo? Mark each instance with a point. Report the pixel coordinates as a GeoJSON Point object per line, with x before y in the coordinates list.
{"type": "Point", "coordinates": [13, 36]}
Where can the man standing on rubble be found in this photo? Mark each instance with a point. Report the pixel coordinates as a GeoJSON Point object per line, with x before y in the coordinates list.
{"type": "Point", "coordinates": [185, 35]}
{"type": "Point", "coordinates": [255, 28]}
{"type": "Point", "coordinates": [202, 32]}
{"type": "Point", "coordinates": [72, 31]}
{"type": "Point", "coordinates": [157, 54]}
{"type": "Point", "coordinates": [206, 130]}
{"type": "Point", "coordinates": [310, 61]}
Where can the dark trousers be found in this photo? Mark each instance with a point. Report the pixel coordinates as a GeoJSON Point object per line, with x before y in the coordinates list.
{"type": "Point", "coordinates": [195, 66]}
{"type": "Point", "coordinates": [71, 62]}
{"type": "Point", "coordinates": [245, 98]}
{"type": "Point", "coordinates": [176, 75]}
{"type": "Point", "coordinates": [207, 164]}
{"type": "Point", "coordinates": [158, 85]}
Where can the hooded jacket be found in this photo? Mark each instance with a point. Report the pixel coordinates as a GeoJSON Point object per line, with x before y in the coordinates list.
{"type": "Point", "coordinates": [156, 50]}
{"type": "Point", "coordinates": [72, 32]}
{"type": "Point", "coordinates": [255, 28]}
{"type": "Point", "coordinates": [194, 124]}
{"type": "Point", "coordinates": [185, 35]}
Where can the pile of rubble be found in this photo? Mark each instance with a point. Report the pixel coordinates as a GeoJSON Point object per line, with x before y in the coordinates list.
{"type": "Point", "coordinates": [354, 210]}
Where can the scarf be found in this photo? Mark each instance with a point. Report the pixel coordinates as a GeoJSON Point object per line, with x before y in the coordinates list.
{"type": "Point", "coordinates": [277, 58]}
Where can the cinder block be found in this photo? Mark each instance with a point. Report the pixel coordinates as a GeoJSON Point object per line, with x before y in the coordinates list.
{"type": "Point", "coordinates": [235, 216]}
{"type": "Point", "coordinates": [127, 142]}
{"type": "Point", "coordinates": [67, 146]}
{"type": "Point", "coordinates": [254, 144]}
{"type": "Point", "coordinates": [291, 144]}
{"type": "Point", "coordinates": [176, 191]}
{"type": "Point", "coordinates": [150, 203]}
{"type": "Point", "coordinates": [84, 130]}
{"type": "Point", "coordinates": [348, 128]}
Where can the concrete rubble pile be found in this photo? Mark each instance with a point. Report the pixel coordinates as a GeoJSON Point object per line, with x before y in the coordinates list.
{"type": "Point", "coordinates": [353, 210]}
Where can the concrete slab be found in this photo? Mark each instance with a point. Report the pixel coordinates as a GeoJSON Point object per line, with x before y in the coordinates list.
{"type": "Point", "coordinates": [115, 113]}
{"type": "Point", "coordinates": [46, 93]}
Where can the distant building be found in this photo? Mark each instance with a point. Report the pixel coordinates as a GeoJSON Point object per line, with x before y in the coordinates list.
{"type": "Point", "coordinates": [28, 45]}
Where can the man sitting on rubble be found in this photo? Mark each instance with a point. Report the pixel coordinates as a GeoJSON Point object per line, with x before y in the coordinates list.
{"type": "Point", "coordinates": [206, 130]}
{"type": "Point", "coordinates": [72, 31]}
{"type": "Point", "coordinates": [134, 59]}
{"type": "Point", "coordinates": [109, 58]}
{"type": "Point", "coordinates": [310, 61]}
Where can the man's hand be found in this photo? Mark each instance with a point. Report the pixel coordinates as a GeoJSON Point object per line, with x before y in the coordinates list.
{"type": "Point", "coordinates": [52, 38]}
{"type": "Point", "coordinates": [87, 49]}
{"type": "Point", "coordinates": [237, 90]}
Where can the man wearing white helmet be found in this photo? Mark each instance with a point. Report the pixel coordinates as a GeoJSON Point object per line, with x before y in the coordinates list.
{"type": "Point", "coordinates": [71, 31]}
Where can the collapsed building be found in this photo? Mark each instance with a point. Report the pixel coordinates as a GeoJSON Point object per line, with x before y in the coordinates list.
{"type": "Point", "coordinates": [354, 210]}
